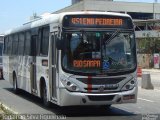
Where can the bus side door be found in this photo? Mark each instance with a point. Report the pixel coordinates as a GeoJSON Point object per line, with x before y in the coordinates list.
{"type": "Point", "coordinates": [33, 64]}
{"type": "Point", "coordinates": [54, 65]}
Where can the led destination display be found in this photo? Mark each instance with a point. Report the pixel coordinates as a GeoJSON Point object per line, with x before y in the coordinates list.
{"type": "Point", "coordinates": [97, 21]}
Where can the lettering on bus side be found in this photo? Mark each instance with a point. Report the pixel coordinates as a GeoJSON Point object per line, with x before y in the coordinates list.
{"type": "Point", "coordinates": [86, 63]}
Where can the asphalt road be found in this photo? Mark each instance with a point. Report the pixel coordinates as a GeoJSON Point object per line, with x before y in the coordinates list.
{"type": "Point", "coordinates": [24, 103]}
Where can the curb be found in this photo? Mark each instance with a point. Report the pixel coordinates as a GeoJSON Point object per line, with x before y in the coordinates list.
{"type": "Point", "coordinates": [6, 108]}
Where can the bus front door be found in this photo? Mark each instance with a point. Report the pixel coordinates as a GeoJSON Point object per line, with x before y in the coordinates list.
{"type": "Point", "coordinates": [33, 64]}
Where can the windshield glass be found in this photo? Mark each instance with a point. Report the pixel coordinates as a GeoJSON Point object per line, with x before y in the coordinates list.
{"type": "Point", "coordinates": [99, 52]}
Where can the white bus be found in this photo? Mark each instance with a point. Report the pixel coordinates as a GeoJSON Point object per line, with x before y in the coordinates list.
{"type": "Point", "coordinates": [74, 58]}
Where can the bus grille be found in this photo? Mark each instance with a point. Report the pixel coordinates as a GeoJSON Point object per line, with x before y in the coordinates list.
{"type": "Point", "coordinates": [101, 98]}
{"type": "Point", "coordinates": [101, 81]}
{"type": "Point", "coordinates": [97, 89]}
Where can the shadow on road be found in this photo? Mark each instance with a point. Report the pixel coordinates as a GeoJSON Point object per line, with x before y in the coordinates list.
{"type": "Point", "coordinates": [79, 111]}
{"type": "Point", "coordinates": [76, 111]}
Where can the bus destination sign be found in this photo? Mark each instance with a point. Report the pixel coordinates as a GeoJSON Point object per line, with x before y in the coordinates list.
{"type": "Point", "coordinates": [97, 21]}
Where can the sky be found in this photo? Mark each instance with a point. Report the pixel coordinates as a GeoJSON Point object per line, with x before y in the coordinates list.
{"type": "Point", "coordinates": [14, 13]}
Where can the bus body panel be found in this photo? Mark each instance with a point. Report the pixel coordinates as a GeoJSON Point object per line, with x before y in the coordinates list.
{"type": "Point", "coordinates": [74, 99]}
{"type": "Point", "coordinates": [41, 72]}
{"type": "Point", "coordinates": [68, 98]}
{"type": "Point", "coordinates": [6, 68]}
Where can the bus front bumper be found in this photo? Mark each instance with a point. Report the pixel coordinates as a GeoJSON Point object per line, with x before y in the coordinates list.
{"type": "Point", "coordinates": [67, 98]}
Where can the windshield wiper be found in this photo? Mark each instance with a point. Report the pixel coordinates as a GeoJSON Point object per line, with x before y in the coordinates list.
{"type": "Point", "coordinates": [113, 36]}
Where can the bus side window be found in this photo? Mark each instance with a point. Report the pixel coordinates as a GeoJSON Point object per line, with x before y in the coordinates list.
{"type": "Point", "coordinates": [27, 48]}
{"type": "Point", "coordinates": [44, 41]}
{"type": "Point", "coordinates": [15, 44]}
{"type": "Point", "coordinates": [21, 44]}
{"type": "Point", "coordinates": [39, 42]}
{"type": "Point", "coordinates": [5, 45]}
{"type": "Point", "coordinates": [1, 48]}
{"type": "Point", "coordinates": [10, 44]}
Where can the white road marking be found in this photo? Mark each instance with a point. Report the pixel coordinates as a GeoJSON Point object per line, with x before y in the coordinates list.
{"type": "Point", "coordinates": [146, 100]}
{"type": "Point", "coordinates": [157, 90]}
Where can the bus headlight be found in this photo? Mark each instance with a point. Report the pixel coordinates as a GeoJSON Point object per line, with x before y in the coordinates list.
{"type": "Point", "coordinates": [70, 85]}
{"type": "Point", "coordinates": [129, 85]}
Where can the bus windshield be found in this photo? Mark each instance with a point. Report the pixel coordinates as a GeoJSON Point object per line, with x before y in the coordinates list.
{"type": "Point", "coordinates": [99, 52]}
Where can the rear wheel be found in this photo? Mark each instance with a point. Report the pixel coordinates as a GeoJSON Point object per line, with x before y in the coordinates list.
{"type": "Point", "coordinates": [45, 97]}
{"type": "Point", "coordinates": [15, 88]}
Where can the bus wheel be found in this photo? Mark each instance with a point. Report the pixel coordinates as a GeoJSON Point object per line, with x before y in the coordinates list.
{"type": "Point", "coordinates": [44, 97]}
{"type": "Point", "coordinates": [15, 88]}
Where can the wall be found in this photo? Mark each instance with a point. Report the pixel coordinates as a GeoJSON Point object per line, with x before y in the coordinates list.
{"type": "Point", "coordinates": [145, 60]}
{"type": "Point", "coordinates": [121, 6]}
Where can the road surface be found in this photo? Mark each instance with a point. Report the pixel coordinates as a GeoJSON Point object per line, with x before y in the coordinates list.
{"type": "Point", "coordinates": [24, 103]}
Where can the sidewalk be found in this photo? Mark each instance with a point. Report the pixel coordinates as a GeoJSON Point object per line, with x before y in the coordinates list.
{"type": "Point", "coordinates": [150, 70]}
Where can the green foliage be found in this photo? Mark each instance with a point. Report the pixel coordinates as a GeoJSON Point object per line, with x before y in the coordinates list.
{"type": "Point", "coordinates": [148, 45]}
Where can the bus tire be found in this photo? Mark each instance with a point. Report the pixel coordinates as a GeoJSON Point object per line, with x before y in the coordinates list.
{"type": "Point", "coordinates": [46, 103]}
{"type": "Point", "coordinates": [15, 88]}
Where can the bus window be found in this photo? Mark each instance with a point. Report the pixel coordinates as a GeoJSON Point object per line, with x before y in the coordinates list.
{"type": "Point", "coordinates": [1, 47]}
{"type": "Point", "coordinates": [44, 41]}
{"type": "Point", "coordinates": [21, 44]}
{"type": "Point", "coordinates": [15, 44]}
{"type": "Point", "coordinates": [27, 43]}
{"type": "Point", "coordinates": [5, 45]}
{"type": "Point", "coordinates": [10, 45]}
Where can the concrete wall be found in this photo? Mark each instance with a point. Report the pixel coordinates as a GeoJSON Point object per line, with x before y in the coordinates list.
{"type": "Point", "coordinates": [107, 5]}
{"type": "Point", "coordinates": [121, 6]}
{"type": "Point", "coordinates": [145, 60]}
{"type": "Point", "coordinates": [148, 33]}
{"type": "Point", "coordinates": [157, 7]}
{"type": "Point", "coordinates": [75, 1]}
{"type": "Point", "coordinates": [76, 7]}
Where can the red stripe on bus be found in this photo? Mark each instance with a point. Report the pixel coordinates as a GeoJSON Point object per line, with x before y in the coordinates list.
{"type": "Point", "coordinates": [89, 84]}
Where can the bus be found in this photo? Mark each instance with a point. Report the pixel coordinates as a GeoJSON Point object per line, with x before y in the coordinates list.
{"type": "Point", "coordinates": [74, 58]}
{"type": "Point", "coordinates": [1, 48]}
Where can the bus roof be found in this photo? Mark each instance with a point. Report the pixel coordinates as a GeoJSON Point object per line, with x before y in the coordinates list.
{"type": "Point", "coordinates": [94, 12]}
{"type": "Point", "coordinates": [57, 18]}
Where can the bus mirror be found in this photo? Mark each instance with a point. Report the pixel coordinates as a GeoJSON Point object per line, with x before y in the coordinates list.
{"type": "Point", "coordinates": [59, 44]}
